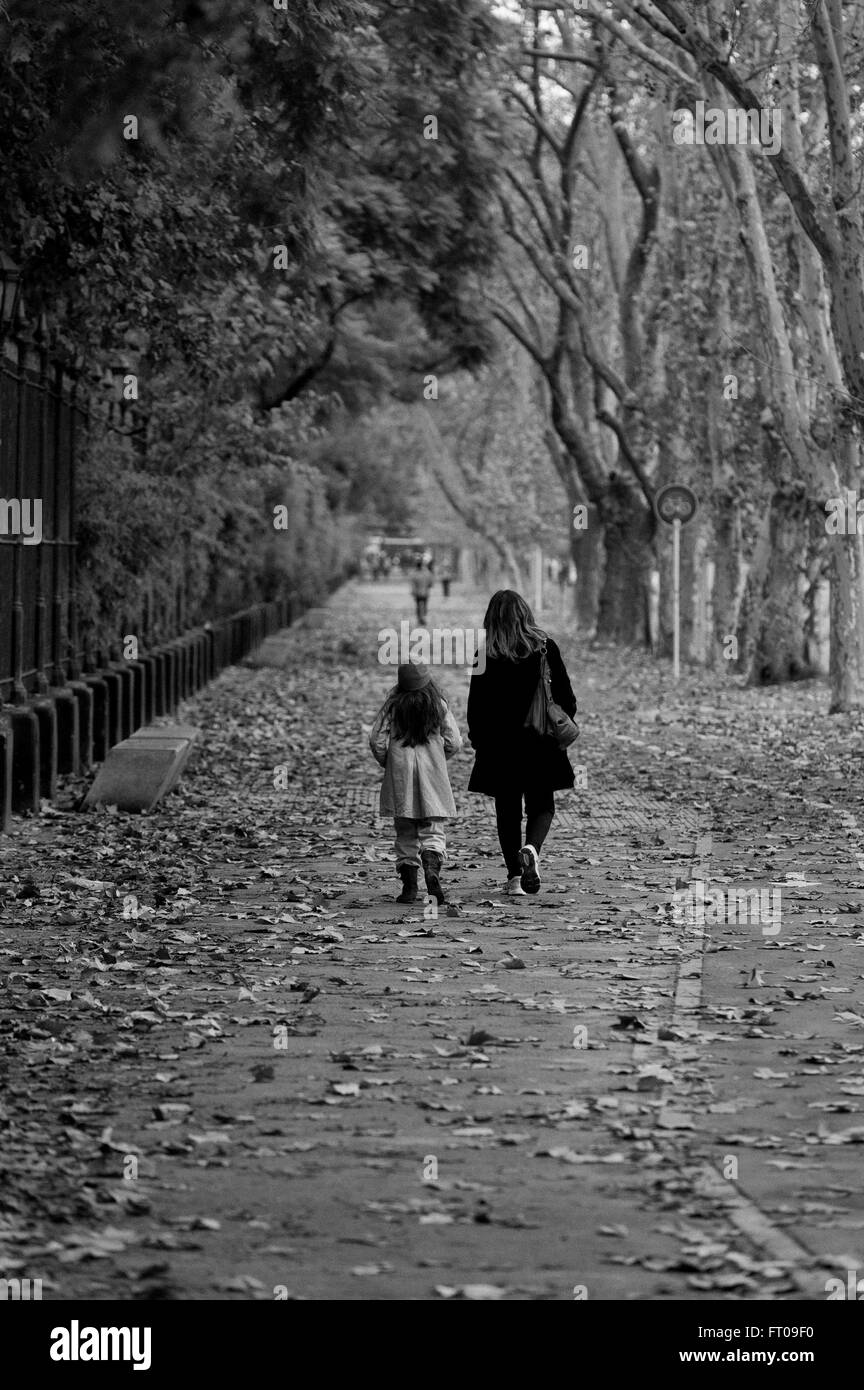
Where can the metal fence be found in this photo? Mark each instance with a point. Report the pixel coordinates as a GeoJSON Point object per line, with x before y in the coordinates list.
{"type": "Point", "coordinates": [76, 678]}
{"type": "Point", "coordinates": [44, 414]}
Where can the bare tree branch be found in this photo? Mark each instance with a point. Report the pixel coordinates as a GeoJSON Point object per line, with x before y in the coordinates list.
{"type": "Point", "coordinates": [621, 434]}
{"type": "Point", "coordinates": [642, 50]}
{"type": "Point", "coordinates": [691, 38]}
{"type": "Point", "coordinates": [504, 317]}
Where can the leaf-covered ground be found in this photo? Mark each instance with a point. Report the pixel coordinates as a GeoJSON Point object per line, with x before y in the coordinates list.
{"type": "Point", "coordinates": [234, 1067]}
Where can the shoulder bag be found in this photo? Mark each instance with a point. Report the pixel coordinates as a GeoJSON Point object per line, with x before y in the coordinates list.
{"type": "Point", "coordinates": [546, 718]}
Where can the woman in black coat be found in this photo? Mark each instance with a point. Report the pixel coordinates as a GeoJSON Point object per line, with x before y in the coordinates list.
{"type": "Point", "coordinates": [511, 761]}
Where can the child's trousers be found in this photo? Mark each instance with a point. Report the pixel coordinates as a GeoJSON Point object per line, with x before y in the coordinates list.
{"type": "Point", "coordinates": [412, 836]}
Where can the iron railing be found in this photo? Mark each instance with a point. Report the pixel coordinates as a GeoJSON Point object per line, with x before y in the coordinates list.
{"type": "Point", "coordinates": [44, 414]}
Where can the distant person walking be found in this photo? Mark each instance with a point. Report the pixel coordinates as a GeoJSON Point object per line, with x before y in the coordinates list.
{"type": "Point", "coordinates": [563, 577]}
{"type": "Point", "coordinates": [511, 762]}
{"type": "Point", "coordinates": [446, 577]}
{"type": "Point", "coordinates": [421, 583]}
{"type": "Point", "coordinates": [412, 737]}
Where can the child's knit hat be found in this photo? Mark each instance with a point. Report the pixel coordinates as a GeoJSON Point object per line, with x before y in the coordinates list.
{"type": "Point", "coordinates": [413, 676]}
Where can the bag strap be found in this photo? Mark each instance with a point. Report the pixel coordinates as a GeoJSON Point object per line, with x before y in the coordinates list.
{"type": "Point", "coordinates": [545, 673]}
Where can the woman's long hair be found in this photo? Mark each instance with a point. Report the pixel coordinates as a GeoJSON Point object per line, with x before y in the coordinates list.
{"type": "Point", "coordinates": [511, 632]}
{"type": "Point", "coordinates": [415, 715]}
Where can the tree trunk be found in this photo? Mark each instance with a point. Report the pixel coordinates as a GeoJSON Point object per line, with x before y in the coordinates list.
{"type": "Point", "coordinates": [701, 592]}
{"type": "Point", "coordinates": [847, 622]}
{"type": "Point", "coordinates": [728, 587]}
{"type": "Point", "coordinates": [628, 535]}
{"type": "Point", "coordinates": [586, 549]}
{"type": "Point", "coordinates": [511, 566]}
{"type": "Point", "coordinates": [779, 653]}
{"type": "Point", "coordinates": [817, 628]}
{"type": "Point", "coordinates": [749, 613]}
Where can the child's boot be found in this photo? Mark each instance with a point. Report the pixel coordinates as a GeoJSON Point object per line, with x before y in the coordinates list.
{"type": "Point", "coordinates": [432, 862]}
{"type": "Point", "coordinates": [408, 875]}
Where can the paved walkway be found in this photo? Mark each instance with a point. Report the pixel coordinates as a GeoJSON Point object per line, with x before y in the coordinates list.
{"type": "Point", "coordinates": [233, 1065]}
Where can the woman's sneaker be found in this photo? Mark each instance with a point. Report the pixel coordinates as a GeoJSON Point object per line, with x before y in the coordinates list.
{"type": "Point", "coordinates": [530, 861]}
{"type": "Point", "coordinates": [513, 887]}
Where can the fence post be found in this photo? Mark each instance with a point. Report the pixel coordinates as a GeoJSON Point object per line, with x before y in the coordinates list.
{"type": "Point", "coordinates": [19, 692]}
{"type": "Point", "coordinates": [61, 549]}
{"type": "Point", "coordinates": [42, 400]}
{"type": "Point", "coordinates": [78, 415]}
{"type": "Point", "coordinates": [89, 690]}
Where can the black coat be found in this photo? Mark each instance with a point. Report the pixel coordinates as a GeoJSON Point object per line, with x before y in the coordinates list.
{"type": "Point", "coordinates": [508, 756]}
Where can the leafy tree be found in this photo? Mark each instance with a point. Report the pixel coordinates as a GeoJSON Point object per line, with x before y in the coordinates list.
{"type": "Point", "coordinates": [257, 129]}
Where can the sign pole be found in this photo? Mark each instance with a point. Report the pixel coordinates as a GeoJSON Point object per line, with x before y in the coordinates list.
{"type": "Point", "coordinates": [676, 505]}
{"type": "Point", "coordinates": [676, 598]}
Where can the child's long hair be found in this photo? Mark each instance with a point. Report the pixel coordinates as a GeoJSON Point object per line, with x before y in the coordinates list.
{"type": "Point", "coordinates": [511, 632]}
{"type": "Point", "coordinates": [415, 715]}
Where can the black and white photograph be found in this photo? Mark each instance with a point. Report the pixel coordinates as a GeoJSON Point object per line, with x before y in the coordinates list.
{"type": "Point", "coordinates": [431, 671]}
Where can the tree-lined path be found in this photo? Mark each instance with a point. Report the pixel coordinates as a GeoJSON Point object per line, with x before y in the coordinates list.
{"type": "Point", "coordinates": [235, 1067]}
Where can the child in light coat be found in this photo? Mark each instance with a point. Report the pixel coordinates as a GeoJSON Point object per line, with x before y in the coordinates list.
{"type": "Point", "coordinates": [412, 737]}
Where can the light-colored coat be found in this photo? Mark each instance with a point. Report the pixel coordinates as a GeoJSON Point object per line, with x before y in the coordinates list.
{"type": "Point", "coordinates": [416, 784]}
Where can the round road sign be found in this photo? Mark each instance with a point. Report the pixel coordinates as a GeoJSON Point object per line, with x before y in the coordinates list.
{"type": "Point", "coordinates": [676, 502]}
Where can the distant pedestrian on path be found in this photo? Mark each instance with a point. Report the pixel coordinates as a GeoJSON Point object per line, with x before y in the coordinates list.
{"type": "Point", "coordinates": [412, 737]}
{"type": "Point", "coordinates": [446, 577]}
{"type": "Point", "coordinates": [511, 761]}
{"type": "Point", "coordinates": [563, 577]}
{"type": "Point", "coordinates": [421, 583]}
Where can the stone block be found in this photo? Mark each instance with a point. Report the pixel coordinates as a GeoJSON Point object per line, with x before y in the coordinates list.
{"type": "Point", "coordinates": [46, 713]}
{"type": "Point", "coordinates": [139, 693]}
{"type": "Point", "coordinates": [101, 717]}
{"type": "Point", "coordinates": [172, 731]}
{"type": "Point", "coordinates": [114, 685]}
{"type": "Point", "coordinates": [68, 730]}
{"type": "Point", "coordinates": [25, 759]}
{"type": "Point", "coordinates": [83, 694]}
{"type": "Point", "coordinates": [142, 769]}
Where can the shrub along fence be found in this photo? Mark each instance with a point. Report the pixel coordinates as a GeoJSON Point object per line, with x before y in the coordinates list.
{"type": "Point", "coordinates": [64, 703]}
